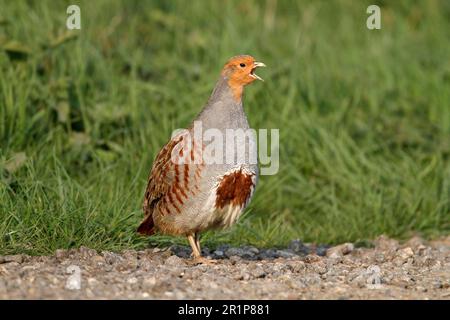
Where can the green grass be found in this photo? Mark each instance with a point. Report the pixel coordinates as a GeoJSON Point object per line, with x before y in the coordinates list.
{"type": "Point", "coordinates": [364, 116]}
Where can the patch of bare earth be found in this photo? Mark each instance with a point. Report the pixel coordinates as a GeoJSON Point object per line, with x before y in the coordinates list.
{"type": "Point", "coordinates": [413, 270]}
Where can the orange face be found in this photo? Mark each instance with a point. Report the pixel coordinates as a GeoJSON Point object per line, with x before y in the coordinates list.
{"type": "Point", "coordinates": [240, 72]}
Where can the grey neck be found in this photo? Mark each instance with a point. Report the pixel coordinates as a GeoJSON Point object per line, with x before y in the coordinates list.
{"type": "Point", "coordinates": [222, 110]}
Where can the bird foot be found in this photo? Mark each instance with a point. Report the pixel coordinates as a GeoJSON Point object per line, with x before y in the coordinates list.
{"type": "Point", "coordinates": [202, 260]}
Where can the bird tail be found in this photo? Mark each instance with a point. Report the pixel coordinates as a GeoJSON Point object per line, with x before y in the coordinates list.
{"type": "Point", "coordinates": [147, 227]}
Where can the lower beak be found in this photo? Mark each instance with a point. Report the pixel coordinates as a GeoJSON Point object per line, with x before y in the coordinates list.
{"type": "Point", "coordinates": [256, 65]}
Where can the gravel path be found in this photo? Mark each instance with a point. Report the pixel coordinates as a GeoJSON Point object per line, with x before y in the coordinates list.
{"type": "Point", "coordinates": [413, 270]}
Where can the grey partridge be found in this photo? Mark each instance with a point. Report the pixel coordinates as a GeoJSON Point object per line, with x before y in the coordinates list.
{"type": "Point", "coordinates": [187, 193]}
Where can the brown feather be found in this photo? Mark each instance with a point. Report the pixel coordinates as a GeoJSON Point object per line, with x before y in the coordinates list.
{"type": "Point", "coordinates": [167, 188]}
{"type": "Point", "coordinates": [147, 227]}
{"type": "Point", "coordinates": [235, 189]}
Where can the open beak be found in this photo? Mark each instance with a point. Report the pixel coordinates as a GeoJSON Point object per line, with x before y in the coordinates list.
{"type": "Point", "coordinates": [256, 65]}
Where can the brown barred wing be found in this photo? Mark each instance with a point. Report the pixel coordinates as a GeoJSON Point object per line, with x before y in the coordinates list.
{"type": "Point", "coordinates": [171, 181]}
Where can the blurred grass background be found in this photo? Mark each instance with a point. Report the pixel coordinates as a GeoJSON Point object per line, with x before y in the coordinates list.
{"type": "Point", "coordinates": [364, 116]}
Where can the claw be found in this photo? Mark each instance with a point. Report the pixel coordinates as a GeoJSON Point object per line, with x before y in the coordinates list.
{"type": "Point", "coordinates": [202, 260]}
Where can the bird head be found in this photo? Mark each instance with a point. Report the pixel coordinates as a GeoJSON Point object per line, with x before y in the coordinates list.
{"type": "Point", "coordinates": [240, 71]}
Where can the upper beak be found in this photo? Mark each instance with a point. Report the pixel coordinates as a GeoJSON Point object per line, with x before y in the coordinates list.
{"type": "Point", "coordinates": [256, 65]}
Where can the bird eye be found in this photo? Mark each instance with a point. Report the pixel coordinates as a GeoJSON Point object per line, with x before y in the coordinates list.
{"type": "Point", "coordinates": [242, 65]}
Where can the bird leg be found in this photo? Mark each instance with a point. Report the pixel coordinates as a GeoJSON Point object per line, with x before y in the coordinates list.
{"type": "Point", "coordinates": [195, 251]}
{"type": "Point", "coordinates": [194, 241]}
{"type": "Point", "coordinates": [197, 242]}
